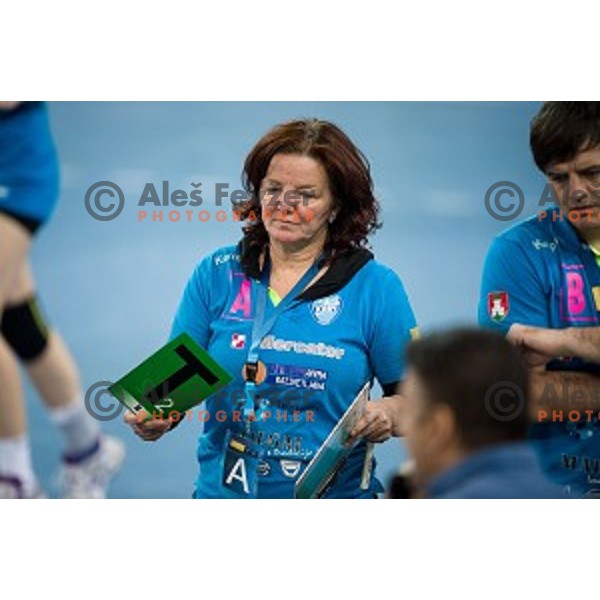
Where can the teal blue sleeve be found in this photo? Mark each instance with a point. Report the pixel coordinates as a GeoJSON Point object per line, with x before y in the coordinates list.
{"type": "Point", "coordinates": [392, 328]}
{"type": "Point", "coordinates": [193, 313]}
{"type": "Point", "coordinates": [509, 269]}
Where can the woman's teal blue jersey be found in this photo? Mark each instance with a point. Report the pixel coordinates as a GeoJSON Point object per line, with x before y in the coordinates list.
{"type": "Point", "coordinates": [350, 327]}
{"type": "Point", "coordinates": [540, 273]}
{"type": "Point", "coordinates": [29, 178]}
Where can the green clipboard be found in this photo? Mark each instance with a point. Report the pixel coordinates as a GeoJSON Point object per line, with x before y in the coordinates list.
{"type": "Point", "coordinates": [177, 377]}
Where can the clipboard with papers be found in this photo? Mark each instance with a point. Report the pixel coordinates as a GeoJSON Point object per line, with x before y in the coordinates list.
{"type": "Point", "coordinates": [332, 454]}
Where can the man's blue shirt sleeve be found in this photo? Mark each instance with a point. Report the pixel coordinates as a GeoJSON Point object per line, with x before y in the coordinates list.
{"type": "Point", "coordinates": [509, 269]}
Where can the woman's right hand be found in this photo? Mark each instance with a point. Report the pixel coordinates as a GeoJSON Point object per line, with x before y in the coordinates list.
{"type": "Point", "coordinates": [145, 426]}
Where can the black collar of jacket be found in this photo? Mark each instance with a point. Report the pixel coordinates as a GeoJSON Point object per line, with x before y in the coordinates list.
{"type": "Point", "coordinates": [341, 270]}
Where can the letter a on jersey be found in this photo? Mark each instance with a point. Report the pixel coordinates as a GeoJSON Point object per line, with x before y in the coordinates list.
{"type": "Point", "coordinates": [238, 475]}
{"type": "Point", "coordinates": [240, 469]}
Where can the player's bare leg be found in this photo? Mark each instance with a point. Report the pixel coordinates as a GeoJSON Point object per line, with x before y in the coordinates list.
{"type": "Point", "coordinates": [16, 473]}
{"type": "Point", "coordinates": [90, 460]}
{"type": "Point", "coordinates": [53, 372]}
{"type": "Point", "coordinates": [12, 410]}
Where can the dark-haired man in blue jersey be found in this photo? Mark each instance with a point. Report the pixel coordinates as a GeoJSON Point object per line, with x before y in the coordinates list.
{"type": "Point", "coordinates": [545, 272]}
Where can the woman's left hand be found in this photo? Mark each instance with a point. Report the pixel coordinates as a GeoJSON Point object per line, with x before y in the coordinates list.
{"type": "Point", "coordinates": [376, 425]}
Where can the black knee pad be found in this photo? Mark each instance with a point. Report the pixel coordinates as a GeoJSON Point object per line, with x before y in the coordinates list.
{"type": "Point", "coordinates": [24, 329]}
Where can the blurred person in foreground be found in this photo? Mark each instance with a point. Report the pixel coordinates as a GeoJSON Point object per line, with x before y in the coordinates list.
{"type": "Point", "coordinates": [465, 419]}
{"type": "Point", "coordinates": [29, 187]}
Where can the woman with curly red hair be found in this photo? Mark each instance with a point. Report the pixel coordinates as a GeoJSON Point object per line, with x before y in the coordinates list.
{"type": "Point", "coordinates": [302, 314]}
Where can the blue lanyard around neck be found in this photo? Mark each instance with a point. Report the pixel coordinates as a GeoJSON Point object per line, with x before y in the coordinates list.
{"type": "Point", "coordinates": [262, 327]}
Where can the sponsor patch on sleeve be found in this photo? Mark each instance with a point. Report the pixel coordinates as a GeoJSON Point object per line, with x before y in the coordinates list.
{"type": "Point", "coordinates": [498, 306]}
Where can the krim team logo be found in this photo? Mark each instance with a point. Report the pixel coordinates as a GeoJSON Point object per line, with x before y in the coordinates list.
{"type": "Point", "coordinates": [498, 306]}
{"type": "Point", "coordinates": [326, 310]}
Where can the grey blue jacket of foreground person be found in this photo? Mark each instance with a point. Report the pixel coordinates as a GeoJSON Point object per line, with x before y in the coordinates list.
{"type": "Point", "coordinates": [502, 471]}
{"type": "Point", "coordinates": [464, 440]}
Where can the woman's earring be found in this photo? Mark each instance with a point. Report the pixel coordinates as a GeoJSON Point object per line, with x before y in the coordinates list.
{"type": "Point", "coordinates": [332, 218]}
